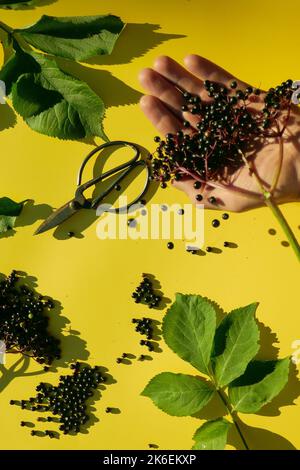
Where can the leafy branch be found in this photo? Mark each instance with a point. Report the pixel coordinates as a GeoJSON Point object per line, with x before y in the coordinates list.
{"type": "Point", "coordinates": [50, 100]}
{"type": "Point", "coordinates": [225, 354]}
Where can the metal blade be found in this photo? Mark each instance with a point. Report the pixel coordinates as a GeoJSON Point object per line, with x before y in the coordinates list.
{"type": "Point", "coordinates": [59, 216]}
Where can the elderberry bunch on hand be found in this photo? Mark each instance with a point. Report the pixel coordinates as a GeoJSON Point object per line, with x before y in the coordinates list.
{"type": "Point", "coordinates": [236, 140]}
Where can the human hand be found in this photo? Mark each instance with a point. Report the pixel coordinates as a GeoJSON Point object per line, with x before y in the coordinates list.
{"type": "Point", "coordinates": [165, 83]}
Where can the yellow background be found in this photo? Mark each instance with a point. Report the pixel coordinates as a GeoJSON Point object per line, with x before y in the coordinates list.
{"type": "Point", "coordinates": [259, 42]}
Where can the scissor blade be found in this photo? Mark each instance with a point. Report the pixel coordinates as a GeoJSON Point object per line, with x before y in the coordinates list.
{"type": "Point", "coordinates": [59, 216]}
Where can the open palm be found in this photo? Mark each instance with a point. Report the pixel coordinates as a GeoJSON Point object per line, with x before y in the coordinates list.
{"type": "Point", "coordinates": [165, 83]}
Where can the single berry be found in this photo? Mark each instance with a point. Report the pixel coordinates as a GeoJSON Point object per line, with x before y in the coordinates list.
{"type": "Point", "coordinates": [215, 223]}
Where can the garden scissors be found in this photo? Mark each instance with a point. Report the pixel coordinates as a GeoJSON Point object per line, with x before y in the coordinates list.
{"type": "Point", "coordinates": [80, 202]}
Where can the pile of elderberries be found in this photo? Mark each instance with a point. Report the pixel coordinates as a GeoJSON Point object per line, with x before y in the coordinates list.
{"type": "Point", "coordinates": [227, 125]}
{"type": "Point", "coordinates": [145, 294]}
{"type": "Point", "coordinates": [24, 321]}
{"type": "Point", "coordinates": [66, 401]}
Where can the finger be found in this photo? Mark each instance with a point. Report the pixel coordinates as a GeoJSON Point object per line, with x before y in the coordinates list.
{"type": "Point", "coordinates": [160, 116]}
{"type": "Point", "coordinates": [158, 86]}
{"type": "Point", "coordinates": [204, 69]}
{"type": "Point", "coordinates": [177, 74]}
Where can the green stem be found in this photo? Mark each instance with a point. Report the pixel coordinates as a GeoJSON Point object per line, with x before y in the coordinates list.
{"type": "Point", "coordinates": [6, 29]}
{"type": "Point", "coordinates": [233, 417]}
{"type": "Point", "coordinates": [269, 201]}
{"type": "Point", "coordinates": [284, 224]}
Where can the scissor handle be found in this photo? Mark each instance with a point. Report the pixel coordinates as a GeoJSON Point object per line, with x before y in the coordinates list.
{"type": "Point", "coordinates": [97, 200]}
{"type": "Point", "coordinates": [96, 180]}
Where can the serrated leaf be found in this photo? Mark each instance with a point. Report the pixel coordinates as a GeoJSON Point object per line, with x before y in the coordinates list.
{"type": "Point", "coordinates": [236, 343]}
{"type": "Point", "coordinates": [17, 65]}
{"type": "Point", "coordinates": [10, 207]}
{"type": "Point", "coordinates": [262, 381]}
{"type": "Point", "coordinates": [9, 211]}
{"type": "Point", "coordinates": [76, 38]}
{"type": "Point", "coordinates": [212, 435]}
{"type": "Point", "coordinates": [16, 4]}
{"type": "Point", "coordinates": [178, 394]}
{"type": "Point", "coordinates": [188, 329]}
{"type": "Point", "coordinates": [56, 104]}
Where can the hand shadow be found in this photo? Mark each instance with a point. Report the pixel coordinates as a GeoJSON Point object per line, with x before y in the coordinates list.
{"type": "Point", "coordinates": [78, 223]}
{"type": "Point", "coordinates": [73, 348]}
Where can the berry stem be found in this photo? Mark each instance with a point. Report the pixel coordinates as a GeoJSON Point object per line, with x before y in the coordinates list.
{"type": "Point", "coordinates": [284, 225]}
{"type": "Point", "coordinates": [278, 169]}
{"type": "Point", "coordinates": [269, 201]}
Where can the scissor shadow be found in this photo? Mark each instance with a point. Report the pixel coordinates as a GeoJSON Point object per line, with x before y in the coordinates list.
{"type": "Point", "coordinates": [81, 221]}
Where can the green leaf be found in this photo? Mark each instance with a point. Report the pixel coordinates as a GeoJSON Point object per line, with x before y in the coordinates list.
{"type": "Point", "coordinates": [6, 223]}
{"type": "Point", "coordinates": [178, 394]}
{"type": "Point", "coordinates": [9, 211]}
{"type": "Point", "coordinates": [212, 435]}
{"type": "Point", "coordinates": [262, 381]}
{"type": "Point", "coordinates": [9, 207]}
{"type": "Point", "coordinates": [16, 4]}
{"type": "Point", "coordinates": [17, 65]}
{"type": "Point", "coordinates": [236, 343]}
{"type": "Point", "coordinates": [188, 329]}
{"type": "Point", "coordinates": [57, 104]}
{"type": "Point", "coordinates": [76, 38]}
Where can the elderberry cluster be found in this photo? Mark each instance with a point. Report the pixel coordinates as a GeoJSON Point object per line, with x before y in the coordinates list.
{"type": "Point", "coordinates": [68, 399]}
{"type": "Point", "coordinates": [226, 126]}
{"type": "Point", "coordinates": [145, 294]}
{"type": "Point", "coordinates": [144, 326]}
{"type": "Point", "coordinates": [24, 321]}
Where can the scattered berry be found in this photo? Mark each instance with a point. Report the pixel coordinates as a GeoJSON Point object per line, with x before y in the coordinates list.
{"type": "Point", "coordinates": [145, 294]}
{"type": "Point", "coordinates": [215, 223]}
{"type": "Point", "coordinates": [67, 399]}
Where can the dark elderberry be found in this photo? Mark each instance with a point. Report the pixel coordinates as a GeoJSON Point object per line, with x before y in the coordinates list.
{"type": "Point", "coordinates": [24, 321]}
{"type": "Point", "coordinates": [226, 129]}
{"type": "Point", "coordinates": [145, 294]}
{"type": "Point", "coordinates": [68, 398]}
{"type": "Point", "coordinates": [145, 327]}
{"type": "Point", "coordinates": [215, 223]}
{"type": "Point", "coordinates": [170, 245]}
{"type": "Point", "coordinates": [225, 216]}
